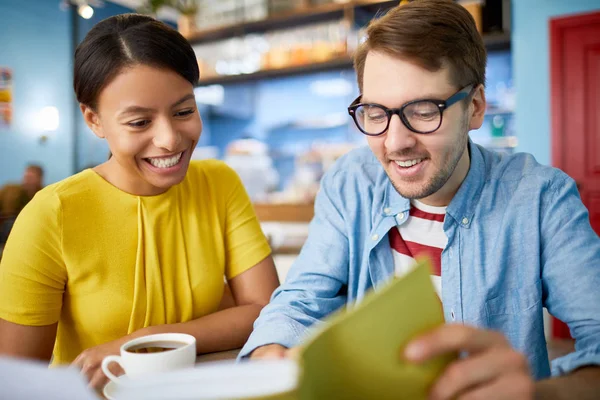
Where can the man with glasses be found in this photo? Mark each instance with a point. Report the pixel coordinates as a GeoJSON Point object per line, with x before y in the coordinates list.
{"type": "Point", "coordinates": [507, 235]}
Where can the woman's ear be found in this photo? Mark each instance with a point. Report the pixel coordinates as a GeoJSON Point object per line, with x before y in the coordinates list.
{"type": "Point", "coordinates": [92, 120]}
{"type": "Point", "coordinates": [479, 105]}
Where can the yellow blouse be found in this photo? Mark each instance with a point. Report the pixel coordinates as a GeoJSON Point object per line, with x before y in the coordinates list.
{"type": "Point", "coordinates": [104, 263]}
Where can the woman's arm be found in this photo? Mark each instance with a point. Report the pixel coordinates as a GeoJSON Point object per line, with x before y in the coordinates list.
{"type": "Point", "coordinates": [32, 281]}
{"type": "Point", "coordinates": [230, 328]}
{"type": "Point", "coordinates": [23, 341]}
{"type": "Point", "coordinates": [225, 329]}
{"type": "Point", "coordinates": [227, 301]}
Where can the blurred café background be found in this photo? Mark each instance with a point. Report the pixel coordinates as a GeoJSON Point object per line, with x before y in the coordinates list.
{"type": "Point", "coordinates": [276, 78]}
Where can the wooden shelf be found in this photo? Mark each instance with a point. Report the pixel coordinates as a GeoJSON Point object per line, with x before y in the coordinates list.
{"type": "Point", "coordinates": [308, 14]}
{"type": "Point", "coordinates": [288, 212]}
{"type": "Point", "coordinates": [497, 41]}
{"type": "Point", "coordinates": [492, 42]}
{"type": "Point", "coordinates": [313, 14]}
{"type": "Point", "coordinates": [332, 65]}
{"type": "Point", "coordinates": [281, 21]}
{"type": "Point", "coordinates": [302, 16]}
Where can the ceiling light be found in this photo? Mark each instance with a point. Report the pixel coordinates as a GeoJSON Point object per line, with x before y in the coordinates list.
{"type": "Point", "coordinates": [85, 11]}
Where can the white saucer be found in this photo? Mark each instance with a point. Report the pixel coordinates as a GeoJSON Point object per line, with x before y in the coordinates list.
{"type": "Point", "coordinates": [110, 390]}
{"type": "Point", "coordinates": [212, 380]}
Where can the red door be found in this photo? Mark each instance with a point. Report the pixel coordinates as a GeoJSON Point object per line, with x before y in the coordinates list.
{"type": "Point", "coordinates": [575, 89]}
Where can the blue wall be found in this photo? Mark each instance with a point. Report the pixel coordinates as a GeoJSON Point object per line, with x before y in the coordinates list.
{"type": "Point", "coordinates": [35, 43]}
{"type": "Point", "coordinates": [284, 113]}
{"type": "Point", "coordinates": [530, 44]}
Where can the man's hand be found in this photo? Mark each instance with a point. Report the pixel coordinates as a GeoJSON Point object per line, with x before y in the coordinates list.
{"type": "Point", "coordinates": [270, 352]}
{"type": "Point", "coordinates": [90, 361]}
{"type": "Point", "coordinates": [492, 369]}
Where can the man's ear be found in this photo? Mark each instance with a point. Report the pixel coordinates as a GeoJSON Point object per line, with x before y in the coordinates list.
{"type": "Point", "coordinates": [92, 120]}
{"type": "Point", "coordinates": [478, 106]}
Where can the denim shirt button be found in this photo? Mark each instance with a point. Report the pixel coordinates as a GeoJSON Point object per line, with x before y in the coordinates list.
{"type": "Point", "coordinates": [465, 221]}
{"type": "Point", "coordinates": [452, 315]}
{"type": "Point", "coordinates": [387, 211]}
{"type": "Point", "coordinates": [375, 237]}
{"type": "Point", "coordinates": [401, 215]}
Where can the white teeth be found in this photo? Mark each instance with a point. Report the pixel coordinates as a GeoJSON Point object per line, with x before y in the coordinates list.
{"type": "Point", "coordinates": [165, 162]}
{"type": "Point", "coordinates": [409, 163]}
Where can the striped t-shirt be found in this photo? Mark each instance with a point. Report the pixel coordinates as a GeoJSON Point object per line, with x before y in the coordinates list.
{"type": "Point", "coordinates": [422, 233]}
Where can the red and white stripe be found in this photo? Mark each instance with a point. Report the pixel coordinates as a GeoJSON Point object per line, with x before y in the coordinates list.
{"type": "Point", "coordinates": [422, 233]}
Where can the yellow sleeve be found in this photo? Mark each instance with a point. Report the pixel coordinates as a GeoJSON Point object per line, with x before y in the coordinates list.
{"type": "Point", "coordinates": [32, 271]}
{"type": "Point", "coordinates": [245, 243]}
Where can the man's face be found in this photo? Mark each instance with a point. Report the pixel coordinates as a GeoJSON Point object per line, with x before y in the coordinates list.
{"type": "Point", "coordinates": [429, 167]}
{"type": "Point", "coordinates": [32, 178]}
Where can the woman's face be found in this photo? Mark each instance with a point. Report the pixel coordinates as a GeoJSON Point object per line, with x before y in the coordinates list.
{"type": "Point", "coordinates": [151, 123]}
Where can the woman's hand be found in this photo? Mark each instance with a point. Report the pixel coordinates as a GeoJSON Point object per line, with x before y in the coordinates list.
{"type": "Point", "coordinates": [90, 361]}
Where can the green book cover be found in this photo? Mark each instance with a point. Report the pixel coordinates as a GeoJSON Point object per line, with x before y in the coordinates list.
{"type": "Point", "coordinates": [358, 352]}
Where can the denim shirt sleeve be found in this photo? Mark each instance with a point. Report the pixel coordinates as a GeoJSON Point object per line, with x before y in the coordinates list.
{"type": "Point", "coordinates": [317, 281]}
{"type": "Point", "coordinates": [571, 272]}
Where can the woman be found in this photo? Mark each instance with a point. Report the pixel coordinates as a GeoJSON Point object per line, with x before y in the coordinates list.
{"type": "Point", "coordinates": [140, 244]}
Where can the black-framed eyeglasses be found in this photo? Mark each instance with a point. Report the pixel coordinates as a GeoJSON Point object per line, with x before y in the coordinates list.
{"type": "Point", "coordinates": [420, 116]}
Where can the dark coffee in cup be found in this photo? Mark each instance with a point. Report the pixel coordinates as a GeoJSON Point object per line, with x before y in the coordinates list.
{"type": "Point", "coordinates": [152, 354]}
{"type": "Point", "coordinates": [155, 347]}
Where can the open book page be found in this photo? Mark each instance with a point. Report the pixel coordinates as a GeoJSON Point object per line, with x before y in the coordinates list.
{"type": "Point", "coordinates": [26, 380]}
{"type": "Point", "coordinates": [266, 379]}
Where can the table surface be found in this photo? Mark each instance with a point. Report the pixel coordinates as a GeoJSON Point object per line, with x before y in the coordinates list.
{"type": "Point", "coordinates": [218, 356]}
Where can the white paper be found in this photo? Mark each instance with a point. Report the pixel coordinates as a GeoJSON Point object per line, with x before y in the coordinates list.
{"type": "Point", "coordinates": [215, 380]}
{"type": "Point", "coordinates": [23, 379]}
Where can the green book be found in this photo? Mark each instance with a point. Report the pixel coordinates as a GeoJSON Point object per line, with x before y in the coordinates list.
{"type": "Point", "coordinates": [357, 353]}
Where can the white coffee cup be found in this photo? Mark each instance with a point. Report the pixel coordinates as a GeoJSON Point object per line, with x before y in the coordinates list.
{"type": "Point", "coordinates": [181, 354]}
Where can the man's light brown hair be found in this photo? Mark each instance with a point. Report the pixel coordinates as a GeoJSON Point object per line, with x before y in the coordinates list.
{"type": "Point", "coordinates": [431, 33]}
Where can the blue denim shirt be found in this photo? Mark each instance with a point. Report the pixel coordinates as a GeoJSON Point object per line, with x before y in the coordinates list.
{"type": "Point", "coordinates": [519, 239]}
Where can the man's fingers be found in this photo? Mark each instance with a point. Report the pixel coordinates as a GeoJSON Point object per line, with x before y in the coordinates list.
{"type": "Point", "coordinates": [478, 371]}
{"type": "Point", "coordinates": [292, 353]}
{"type": "Point", "coordinates": [508, 387]}
{"type": "Point", "coordinates": [274, 354]}
{"type": "Point", "coordinates": [269, 352]}
{"type": "Point", "coordinates": [452, 338]}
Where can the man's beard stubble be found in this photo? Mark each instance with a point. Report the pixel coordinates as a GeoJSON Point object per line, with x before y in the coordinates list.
{"type": "Point", "coordinates": [439, 180]}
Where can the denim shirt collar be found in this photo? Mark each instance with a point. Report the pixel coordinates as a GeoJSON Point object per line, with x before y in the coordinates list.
{"type": "Point", "coordinates": [463, 204]}
{"type": "Point", "coordinates": [393, 203]}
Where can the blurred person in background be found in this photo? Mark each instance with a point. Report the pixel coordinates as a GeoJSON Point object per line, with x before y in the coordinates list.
{"type": "Point", "coordinates": [142, 243]}
{"type": "Point", "coordinates": [13, 197]}
{"type": "Point", "coordinates": [507, 236]}
{"type": "Point", "coordinates": [33, 180]}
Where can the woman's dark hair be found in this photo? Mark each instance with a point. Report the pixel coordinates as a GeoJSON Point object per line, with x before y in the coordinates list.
{"type": "Point", "coordinates": [123, 41]}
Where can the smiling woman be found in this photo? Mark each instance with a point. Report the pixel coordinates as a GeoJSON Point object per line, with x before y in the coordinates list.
{"type": "Point", "coordinates": [151, 129]}
{"type": "Point", "coordinates": [142, 243]}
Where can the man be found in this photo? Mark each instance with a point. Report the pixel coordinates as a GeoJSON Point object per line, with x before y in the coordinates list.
{"type": "Point", "coordinates": [33, 180]}
{"type": "Point", "coordinates": [509, 236]}
{"type": "Point", "coordinates": [13, 197]}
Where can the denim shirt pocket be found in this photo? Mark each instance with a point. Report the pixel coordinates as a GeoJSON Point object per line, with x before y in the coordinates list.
{"type": "Point", "coordinates": [517, 313]}
{"type": "Point", "coordinates": [515, 301]}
